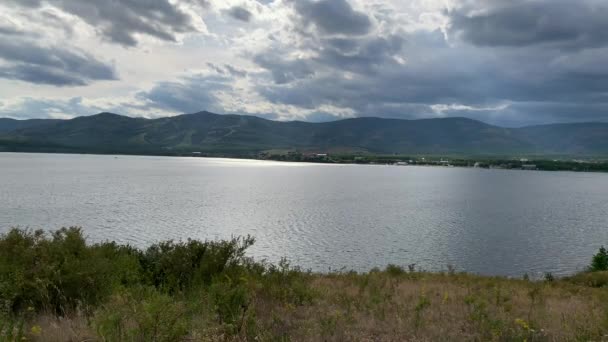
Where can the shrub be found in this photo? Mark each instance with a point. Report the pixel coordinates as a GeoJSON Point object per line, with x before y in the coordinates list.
{"type": "Point", "coordinates": [61, 272]}
{"type": "Point", "coordinates": [231, 300]}
{"type": "Point", "coordinates": [285, 283]}
{"type": "Point", "coordinates": [394, 270]}
{"type": "Point", "coordinates": [178, 266]}
{"type": "Point", "coordinates": [11, 329]}
{"type": "Point", "coordinates": [143, 314]}
{"type": "Point", "coordinates": [600, 261]}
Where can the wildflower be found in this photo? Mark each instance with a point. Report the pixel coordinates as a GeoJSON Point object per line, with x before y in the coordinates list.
{"type": "Point", "coordinates": [36, 330]}
{"type": "Point", "coordinates": [523, 324]}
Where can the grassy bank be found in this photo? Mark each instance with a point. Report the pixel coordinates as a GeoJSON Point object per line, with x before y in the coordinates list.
{"type": "Point", "coordinates": [55, 287]}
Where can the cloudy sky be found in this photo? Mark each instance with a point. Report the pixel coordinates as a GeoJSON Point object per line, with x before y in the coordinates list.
{"type": "Point", "coordinates": [509, 63]}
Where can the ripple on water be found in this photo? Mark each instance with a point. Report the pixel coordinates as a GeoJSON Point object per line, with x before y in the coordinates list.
{"type": "Point", "coordinates": [319, 216]}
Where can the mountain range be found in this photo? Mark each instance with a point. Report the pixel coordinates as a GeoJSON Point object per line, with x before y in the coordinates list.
{"type": "Point", "coordinates": [240, 134]}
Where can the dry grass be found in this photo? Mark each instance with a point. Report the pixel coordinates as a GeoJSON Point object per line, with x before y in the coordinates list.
{"type": "Point", "coordinates": [432, 307]}
{"type": "Point", "coordinates": [50, 328]}
{"type": "Point", "coordinates": [379, 306]}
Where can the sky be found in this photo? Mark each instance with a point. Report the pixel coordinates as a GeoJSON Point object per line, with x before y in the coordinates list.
{"type": "Point", "coordinates": [509, 63]}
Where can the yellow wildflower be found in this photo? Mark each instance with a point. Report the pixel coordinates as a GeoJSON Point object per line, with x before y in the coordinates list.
{"type": "Point", "coordinates": [523, 324]}
{"type": "Point", "coordinates": [36, 330]}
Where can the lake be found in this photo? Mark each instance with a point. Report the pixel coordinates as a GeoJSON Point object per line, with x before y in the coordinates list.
{"type": "Point", "coordinates": [322, 217]}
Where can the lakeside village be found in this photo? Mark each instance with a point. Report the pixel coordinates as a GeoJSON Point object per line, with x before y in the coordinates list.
{"type": "Point", "coordinates": [539, 163]}
{"type": "Point", "coordinates": [521, 163]}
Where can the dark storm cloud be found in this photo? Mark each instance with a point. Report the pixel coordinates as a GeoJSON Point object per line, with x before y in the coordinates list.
{"type": "Point", "coordinates": [40, 75]}
{"type": "Point", "coordinates": [332, 17]}
{"type": "Point", "coordinates": [283, 70]}
{"type": "Point", "coordinates": [239, 13]}
{"type": "Point", "coordinates": [33, 63]}
{"type": "Point", "coordinates": [362, 55]}
{"type": "Point", "coordinates": [378, 85]}
{"type": "Point", "coordinates": [359, 55]}
{"type": "Point", "coordinates": [480, 84]}
{"type": "Point", "coordinates": [189, 95]}
{"type": "Point", "coordinates": [339, 44]}
{"type": "Point", "coordinates": [120, 20]}
{"type": "Point", "coordinates": [563, 23]}
{"type": "Point", "coordinates": [389, 87]}
{"type": "Point", "coordinates": [522, 62]}
{"type": "Point", "coordinates": [412, 94]}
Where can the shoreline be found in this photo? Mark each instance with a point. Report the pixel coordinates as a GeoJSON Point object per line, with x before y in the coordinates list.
{"type": "Point", "coordinates": [433, 163]}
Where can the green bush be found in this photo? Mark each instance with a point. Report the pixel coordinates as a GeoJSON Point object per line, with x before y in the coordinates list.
{"type": "Point", "coordinates": [178, 266]}
{"type": "Point", "coordinates": [143, 314]}
{"type": "Point", "coordinates": [394, 270]}
{"type": "Point", "coordinates": [231, 299]}
{"type": "Point", "coordinates": [61, 272]}
{"type": "Point", "coordinates": [600, 261]}
{"type": "Point", "coordinates": [285, 283]}
{"type": "Point", "coordinates": [11, 329]}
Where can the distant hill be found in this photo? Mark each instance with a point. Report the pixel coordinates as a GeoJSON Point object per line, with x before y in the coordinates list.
{"type": "Point", "coordinates": [238, 134]}
{"type": "Point", "coordinates": [7, 125]}
{"type": "Point", "coordinates": [572, 139]}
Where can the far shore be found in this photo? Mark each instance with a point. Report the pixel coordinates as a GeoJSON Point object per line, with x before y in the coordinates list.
{"type": "Point", "coordinates": [480, 162]}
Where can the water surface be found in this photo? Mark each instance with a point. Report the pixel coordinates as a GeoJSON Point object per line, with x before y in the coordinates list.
{"type": "Point", "coordinates": [322, 217]}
